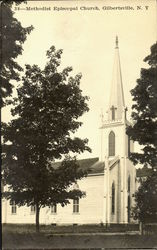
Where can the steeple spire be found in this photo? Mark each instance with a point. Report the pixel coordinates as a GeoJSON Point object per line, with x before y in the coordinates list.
{"type": "Point", "coordinates": [116, 42]}
{"type": "Point", "coordinates": [116, 103]}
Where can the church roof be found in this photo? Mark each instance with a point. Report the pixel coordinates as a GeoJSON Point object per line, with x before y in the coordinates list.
{"type": "Point", "coordinates": [97, 167]}
{"type": "Point", "coordinates": [92, 164]}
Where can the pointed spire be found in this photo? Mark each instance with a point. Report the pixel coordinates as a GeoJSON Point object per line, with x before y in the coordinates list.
{"type": "Point", "coordinates": [116, 104]}
{"type": "Point", "coordinates": [116, 42]}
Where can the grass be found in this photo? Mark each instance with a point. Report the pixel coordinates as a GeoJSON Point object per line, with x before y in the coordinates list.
{"type": "Point", "coordinates": [24, 237]}
{"type": "Point", "coordinates": [48, 229]}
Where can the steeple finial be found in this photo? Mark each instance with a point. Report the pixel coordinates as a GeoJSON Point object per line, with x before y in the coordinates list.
{"type": "Point", "coordinates": [116, 42]}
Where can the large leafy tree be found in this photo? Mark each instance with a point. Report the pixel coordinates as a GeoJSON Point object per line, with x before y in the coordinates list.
{"type": "Point", "coordinates": [144, 113]}
{"type": "Point", "coordinates": [46, 114]}
{"type": "Point", "coordinates": [12, 37]}
{"type": "Point", "coordinates": [146, 200]}
{"type": "Point", "coordinates": [144, 131]}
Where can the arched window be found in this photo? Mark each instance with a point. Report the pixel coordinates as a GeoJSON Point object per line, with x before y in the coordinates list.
{"type": "Point", "coordinates": [113, 198]}
{"type": "Point", "coordinates": [129, 208]}
{"type": "Point", "coordinates": [111, 144]}
{"type": "Point", "coordinates": [129, 184]}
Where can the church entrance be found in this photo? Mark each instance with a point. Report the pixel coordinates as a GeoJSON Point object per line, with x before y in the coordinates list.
{"type": "Point", "coordinates": [129, 208]}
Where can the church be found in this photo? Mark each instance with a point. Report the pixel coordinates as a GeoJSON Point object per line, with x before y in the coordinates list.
{"type": "Point", "coordinates": [112, 181]}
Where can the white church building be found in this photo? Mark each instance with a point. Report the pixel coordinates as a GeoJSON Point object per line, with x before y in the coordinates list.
{"type": "Point", "coordinates": [111, 183]}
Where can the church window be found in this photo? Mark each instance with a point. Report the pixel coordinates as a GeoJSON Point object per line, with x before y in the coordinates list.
{"type": "Point", "coordinates": [111, 143]}
{"type": "Point", "coordinates": [13, 207]}
{"type": "Point", "coordinates": [113, 198]}
{"type": "Point", "coordinates": [129, 208]}
{"type": "Point", "coordinates": [76, 206]}
{"type": "Point", "coordinates": [33, 209]}
{"type": "Point", "coordinates": [54, 209]}
{"type": "Point", "coordinates": [129, 184]}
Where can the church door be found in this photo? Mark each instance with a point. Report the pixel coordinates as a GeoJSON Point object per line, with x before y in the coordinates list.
{"type": "Point", "coordinates": [129, 207]}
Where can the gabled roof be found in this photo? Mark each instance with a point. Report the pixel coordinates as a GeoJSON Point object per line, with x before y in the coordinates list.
{"type": "Point", "coordinates": [92, 164]}
{"type": "Point", "coordinates": [97, 167]}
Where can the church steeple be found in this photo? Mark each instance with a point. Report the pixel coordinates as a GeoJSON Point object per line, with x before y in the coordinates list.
{"type": "Point", "coordinates": [116, 42]}
{"type": "Point", "coordinates": [113, 129]}
{"type": "Point", "coordinates": [116, 102]}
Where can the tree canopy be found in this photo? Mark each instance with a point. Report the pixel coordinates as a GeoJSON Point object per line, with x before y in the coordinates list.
{"type": "Point", "coordinates": [144, 113]}
{"type": "Point", "coordinates": [46, 115]}
{"type": "Point", "coordinates": [12, 37]}
{"type": "Point", "coordinates": [146, 200]}
{"type": "Point", "coordinates": [144, 131]}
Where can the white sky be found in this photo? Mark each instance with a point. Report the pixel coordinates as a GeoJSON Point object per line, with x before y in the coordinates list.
{"type": "Point", "coordinates": [88, 40]}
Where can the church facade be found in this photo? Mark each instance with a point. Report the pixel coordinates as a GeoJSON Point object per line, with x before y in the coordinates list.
{"type": "Point", "coordinates": [112, 180]}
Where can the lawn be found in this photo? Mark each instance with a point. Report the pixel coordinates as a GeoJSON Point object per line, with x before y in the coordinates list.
{"type": "Point", "coordinates": [48, 229]}
{"type": "Point", "coordinates": [24, 237]}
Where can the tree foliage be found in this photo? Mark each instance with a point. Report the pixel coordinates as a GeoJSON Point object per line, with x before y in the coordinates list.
{"type": "Point", "coordinates": [146, 200]}
{"type": "Point", "coordinates": [10, 2]}
{"type": "Point", "coordinates": [144, 131]}
{"type": "Point", "coordinates": [46, 115]}
{"type": "Point", "coordinates": [144, 113]}
{"type": "Point", "coordinates": [12, 37]}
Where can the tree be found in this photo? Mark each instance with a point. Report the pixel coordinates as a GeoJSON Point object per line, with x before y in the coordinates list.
{"type": "Point", "coordinates": [47, 109]}
{"type": "Point", "coordinates": [12, 37]}
{"type": "Point", "coordinates": [146, 200]}
{"type": "Point", "coordinates": [144, 131]}
{"type": "Point", "coordinates": [144, 113]}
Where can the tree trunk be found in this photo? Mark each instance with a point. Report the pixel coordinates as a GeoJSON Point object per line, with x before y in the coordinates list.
{"type": "Point", "coordinates": [141, 227]}
{"type": "Point", "coordinates": [37, 218]}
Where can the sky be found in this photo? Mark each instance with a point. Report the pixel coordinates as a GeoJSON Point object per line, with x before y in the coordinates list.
{"type": "Point", "coordinates": [87, 38]}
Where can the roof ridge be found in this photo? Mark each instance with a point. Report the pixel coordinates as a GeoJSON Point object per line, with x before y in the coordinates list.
{"type": "Point", "coordinates": [112, 162]}
{"type": "Point", "coordinates": [92, 164]}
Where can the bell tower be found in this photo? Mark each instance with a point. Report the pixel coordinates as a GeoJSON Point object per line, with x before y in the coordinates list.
{"type": "Point", "coordinates": [119, 173]}
{"type": "Point", "coordinates": [114, 139]}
